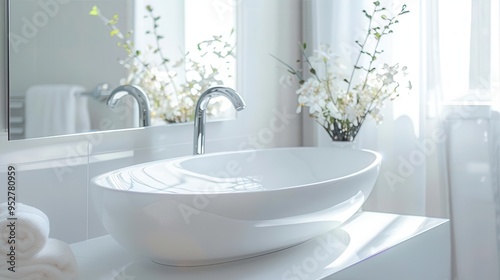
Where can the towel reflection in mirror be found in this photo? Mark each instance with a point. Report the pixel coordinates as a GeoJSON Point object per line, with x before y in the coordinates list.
{"type": "Point", "coordinates": [56, 109]}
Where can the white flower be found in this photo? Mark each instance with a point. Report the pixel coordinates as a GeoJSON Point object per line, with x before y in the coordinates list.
{"type": "Point", "coordinates": [308, 87]}
{"type": "Point", "coordinates": [334, 107]}
{"type": "Point", "coordinates": [286, 80]}
{"type": "Point", "coordinates": [333, 111]}
{"type": "Point", "coordinates": [387, 74]}
{"type": "Point", "coordinates": [323, 54]}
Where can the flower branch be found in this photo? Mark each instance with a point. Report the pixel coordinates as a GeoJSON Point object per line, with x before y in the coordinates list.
{"type": "Point", "coordinates": [173, 99]}
{"type": "Point", "coordinates": [338, 102]}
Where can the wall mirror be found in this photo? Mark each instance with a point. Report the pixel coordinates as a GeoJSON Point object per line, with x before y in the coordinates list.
{"type": "Point", "coordinates": [65, 57]}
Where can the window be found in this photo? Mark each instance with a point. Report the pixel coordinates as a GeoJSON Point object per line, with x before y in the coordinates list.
{"type": "Point", "coordinates": [468, 48]}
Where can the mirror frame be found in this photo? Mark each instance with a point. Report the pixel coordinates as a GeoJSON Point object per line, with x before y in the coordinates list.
{"type": "Point", "coordinates": [6, 76]}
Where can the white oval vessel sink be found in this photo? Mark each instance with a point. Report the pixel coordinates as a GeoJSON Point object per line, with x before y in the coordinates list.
{"type": "Point", "coordinates": [220, 207]}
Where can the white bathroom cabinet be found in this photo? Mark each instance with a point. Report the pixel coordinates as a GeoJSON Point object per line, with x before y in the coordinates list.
{"type": "Point", "coordinates": [369, 246]}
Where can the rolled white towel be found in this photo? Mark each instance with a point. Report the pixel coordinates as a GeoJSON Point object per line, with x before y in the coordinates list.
{"type": "Point", "coordinates": [31, 230]}
{"type": "Point", "coordinates": [55, 261]}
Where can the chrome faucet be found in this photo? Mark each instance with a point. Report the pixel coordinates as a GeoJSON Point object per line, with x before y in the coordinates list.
{"type": "Point", "coordinates": [139, 95]}
{"type": "Point", "coordinates": [200, 115]}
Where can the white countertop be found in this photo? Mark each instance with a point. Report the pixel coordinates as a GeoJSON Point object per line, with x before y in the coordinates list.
{"type": "Point", "coordinates": [364, 236]}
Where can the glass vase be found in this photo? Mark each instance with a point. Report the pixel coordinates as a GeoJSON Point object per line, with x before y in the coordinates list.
{"type": "Point", "coordinates": [345, 144]}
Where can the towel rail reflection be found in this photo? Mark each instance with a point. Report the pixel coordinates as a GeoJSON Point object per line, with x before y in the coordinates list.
{"type": "Point", "coordinates": [101, 92]}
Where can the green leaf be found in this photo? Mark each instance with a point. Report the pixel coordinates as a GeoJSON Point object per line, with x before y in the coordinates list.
{"type": "Point", "coordinates": [114, 32]}
{"type": "Point", "coordinates": [403, 10]}
{"type": "Point", "coordinates": [312, 71]}
{"type": "Point", "coordinates": [377, 36]}
{"type": "Point", "coordinates": [94, 11]}
{"type": "Point", "coordinates": [383, 16]}
{"type": "Point", "coordinates": [376, 3]}
{"type": "Point", "coordinates": [137, 52]}
{"type": "Point", "coordinates": [149, 8]}
{"type": "Point", "coordinates": [366, 14]}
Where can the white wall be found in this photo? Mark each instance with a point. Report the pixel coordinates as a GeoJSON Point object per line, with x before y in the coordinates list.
{"type": "Point", "coordinates": [53, 173]}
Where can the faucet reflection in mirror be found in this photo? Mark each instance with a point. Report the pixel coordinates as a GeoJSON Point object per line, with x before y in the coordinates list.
{"type": "Point", "coordinates": [200, 115]}
{"type": "Point", "coordinates": [139, 95]}
{"type": "Point", "coordinates": [174, 87]}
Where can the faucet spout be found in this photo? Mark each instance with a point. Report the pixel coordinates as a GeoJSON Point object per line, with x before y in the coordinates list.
{"type": "Point", "coordinates": [200, 113]}
{"type": "Point", "coordinates": [139, 95]}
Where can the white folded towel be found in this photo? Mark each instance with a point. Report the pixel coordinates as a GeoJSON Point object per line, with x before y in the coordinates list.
{"type": "Point", "coordinates": [55, 261]}
{"type": "Point", "coordinates": [31, 230]}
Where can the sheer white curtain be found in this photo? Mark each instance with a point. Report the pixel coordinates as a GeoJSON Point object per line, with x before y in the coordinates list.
{"type": "Point", "coordinates": [401, 138]}
{"type": "Point", "coordinates": [434, 142]}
